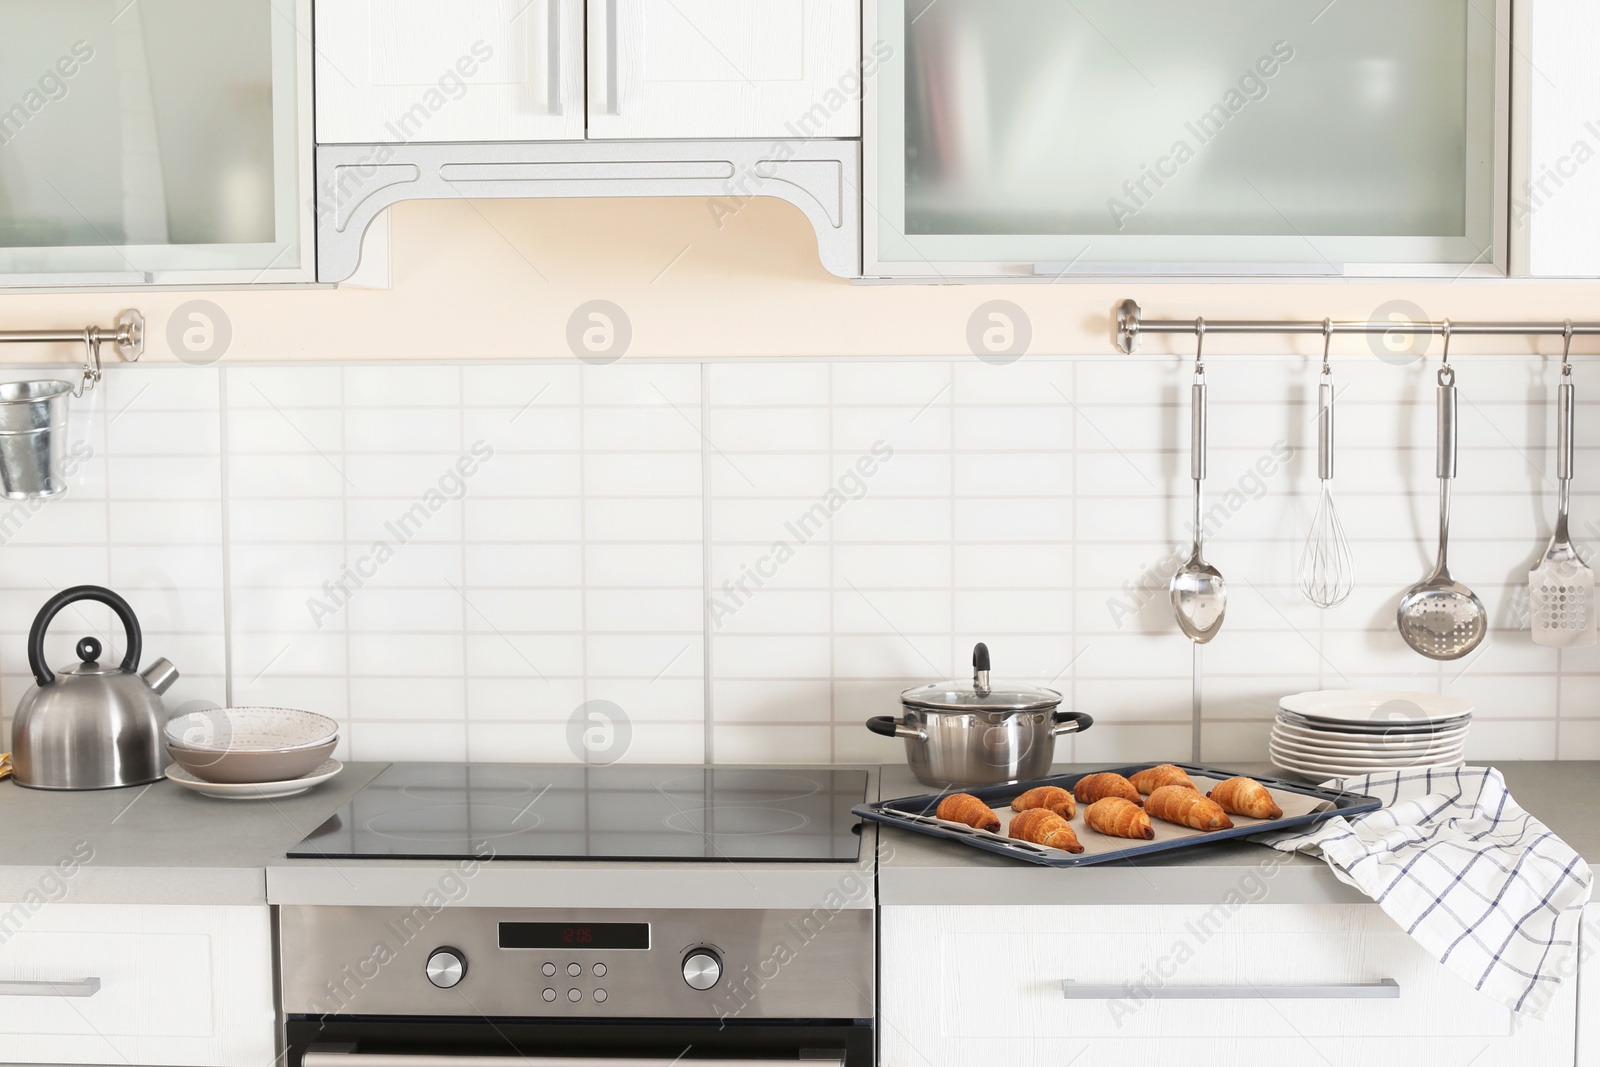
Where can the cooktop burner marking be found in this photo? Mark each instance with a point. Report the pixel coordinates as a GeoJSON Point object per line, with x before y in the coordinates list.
{"type": "Point", "coordinates": [481, 788]}
{"type": "Point", "coordinates": [730, 821]}
{"type": "Point", "coordinates": [758, 787]}
{"type": "Point", "coordinates": [444, 822]}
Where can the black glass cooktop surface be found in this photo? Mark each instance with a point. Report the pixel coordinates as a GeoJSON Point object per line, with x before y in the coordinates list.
{"type": "Point", "coordinates": [521, 811]}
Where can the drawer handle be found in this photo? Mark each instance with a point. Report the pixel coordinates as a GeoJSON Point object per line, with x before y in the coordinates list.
{"type": "Point", "coordinates": [317, 1058]}
{"type": "Point", "coordinates": [69, 987]}
{"type": "Point", "coordinates": [1383, 989]}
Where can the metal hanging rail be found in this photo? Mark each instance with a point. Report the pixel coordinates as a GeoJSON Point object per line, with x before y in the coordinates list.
{"type": "Point", "coordinates": [1130, 325]}
{"type": "Point", "coordinates": [127, 335]}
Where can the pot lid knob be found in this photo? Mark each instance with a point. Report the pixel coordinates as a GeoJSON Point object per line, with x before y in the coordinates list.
{"type": "Point", "coordinates": [980, 669]}
{"type": "Point", "coordinates": [89, 650]}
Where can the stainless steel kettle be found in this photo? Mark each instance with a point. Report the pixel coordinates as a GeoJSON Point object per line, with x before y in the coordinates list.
{"type": "Point", "coordinates": [90, 726]}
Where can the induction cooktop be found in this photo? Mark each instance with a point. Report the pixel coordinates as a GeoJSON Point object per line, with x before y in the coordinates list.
{"type": "Point", "coordinates": [521, 811]}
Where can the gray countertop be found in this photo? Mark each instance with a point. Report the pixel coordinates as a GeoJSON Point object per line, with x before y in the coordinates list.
{"type": "Point", "coordinates": [163, 845]}
{"type": "Point", "coordinates": [917, 869]}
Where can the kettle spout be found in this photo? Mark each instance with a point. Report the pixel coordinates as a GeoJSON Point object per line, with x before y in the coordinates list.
{"type": "Point", "coordinates": [160, 675]}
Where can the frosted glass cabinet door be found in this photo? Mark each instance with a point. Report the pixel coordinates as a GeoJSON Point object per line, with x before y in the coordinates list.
{"type": "Point", "coordinates": [724, 68]}
{"type": "Point", "coordinates": [154, 141]}
{"type": "Point", "coordinates": [396, 71]}
{"type": "Point", "coordinates": [1251, 136]}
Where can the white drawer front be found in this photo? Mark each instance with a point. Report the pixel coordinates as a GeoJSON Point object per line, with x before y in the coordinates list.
{"type": "Point", "coordinates": [169, 985]}
{"type": "Point", "coordinates": [962, 985]}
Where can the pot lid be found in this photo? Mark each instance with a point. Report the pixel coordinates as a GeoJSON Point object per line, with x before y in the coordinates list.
{"type": "Point", "coordinates": [979, 694]}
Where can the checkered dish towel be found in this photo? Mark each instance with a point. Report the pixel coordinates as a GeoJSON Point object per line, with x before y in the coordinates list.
{"type": "Point", "coordinates": [1485, 887]}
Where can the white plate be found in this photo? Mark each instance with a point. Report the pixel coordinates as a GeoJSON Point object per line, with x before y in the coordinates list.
{"type": "Point", "coordinates": [1364, 764]}
{"type": "Point", "coordinates": [1395, 759]}
{"type": "Point", "coordinates": [254, 790]}
{"type": "Point", "coordinates": [1342, 767]}
{"type": "Point", "coordinates": [1355, 745]}
{"type": "Point", "coordinates": [1375, 727]}
{"type": "Point", "coordinates": [1377, 707]}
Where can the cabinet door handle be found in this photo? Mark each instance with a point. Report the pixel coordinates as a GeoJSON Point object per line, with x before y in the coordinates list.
{"type": "Point", "coordinates": [613, 105]}
{"type": "Point", "coordinates": [67, 987]}
{"type": "Point", "coordinates": [1383, 989]}
{"type": "Point", "coordinates": [553, 67]}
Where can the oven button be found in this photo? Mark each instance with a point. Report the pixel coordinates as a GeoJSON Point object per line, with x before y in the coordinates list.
{"type": "Point", "coordinates": [574, 969]}
{"type": "Point", "coordinates": [549, 970]}
{"type": "Point", "coordinates": [702, 969]}
{"type": "Point", "coordinates": [574, 995]}
{"type": "Point", "coordinates": [600, 996]}
{"type": "Point", "coordinates": [599, 970]}
{"type": "Point", "coordinates": [446, 967]}
{"type": "Point", "coordinates": [549, 995]}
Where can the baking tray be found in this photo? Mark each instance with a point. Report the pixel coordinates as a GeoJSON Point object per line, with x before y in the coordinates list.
{"type": "Point", "coordinates": [1303, 805]}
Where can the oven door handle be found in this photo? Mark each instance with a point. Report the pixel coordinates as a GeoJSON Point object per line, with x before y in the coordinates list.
{"type": "Point", "coordinates": [313, 1058]}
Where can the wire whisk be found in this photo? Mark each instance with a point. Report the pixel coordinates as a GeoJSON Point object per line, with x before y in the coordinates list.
{"type": "Point", "coordinates": [1327, 568]}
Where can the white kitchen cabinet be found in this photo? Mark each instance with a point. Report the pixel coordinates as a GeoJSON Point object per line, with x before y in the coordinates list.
{"type": "Point", "coordinates": [397, 71]}
{"type": "Point", "coordinates": [975, 986]}
{"type": "Point", "coordinates": [93, 984]}
{"type": "Point", "coordinates": [1226, 137]}
{"type": "Point", "coordinates": [1589, 988]}
{"type": "Point", "coordinates": [1555, 181]}
{"type": "Point", "coordinates": [724, 68]}
{"type": "Point", "coordinates": [164, 142]}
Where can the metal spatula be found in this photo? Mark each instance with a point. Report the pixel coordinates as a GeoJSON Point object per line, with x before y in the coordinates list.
{"type": "Point", "coordinates": [1561, 587]}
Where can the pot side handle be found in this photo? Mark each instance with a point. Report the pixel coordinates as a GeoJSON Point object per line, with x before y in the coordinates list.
{"type": "Point", "coordinates": [891, 727]}
{"type": "Point", "coordinates": [1071, 722]}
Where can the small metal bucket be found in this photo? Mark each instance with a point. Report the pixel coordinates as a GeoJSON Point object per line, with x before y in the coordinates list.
{"type": "Point", "coordinates": [33, 438]}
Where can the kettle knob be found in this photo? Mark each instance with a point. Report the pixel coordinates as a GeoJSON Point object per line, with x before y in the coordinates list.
{"type": "Point", "coordinates": [89, 650]}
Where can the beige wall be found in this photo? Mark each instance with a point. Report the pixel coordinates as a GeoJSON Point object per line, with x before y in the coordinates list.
{"type": "Point", "coordinates": [500, 279]}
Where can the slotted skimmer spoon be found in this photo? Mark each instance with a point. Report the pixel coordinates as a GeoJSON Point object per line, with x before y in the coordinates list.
{"type": "Point", "coordinates": [1561, 587]}
{"type": "Point", "coordinates": [1199, 596]}
{"type": "Point", "coordinates": [1439, 617]}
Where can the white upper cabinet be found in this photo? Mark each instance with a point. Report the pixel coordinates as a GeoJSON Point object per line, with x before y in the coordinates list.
{"type": "Point", "coordinates": [1251, 137]}
{"type": "Point", "coordinates": [724, 68]}
{"type": "Point", "coordinates": [398, 71]}
{"type": "Point", "coordinates": [1555, 181]}
{"type": "Point", "coordinates": [163, 141]}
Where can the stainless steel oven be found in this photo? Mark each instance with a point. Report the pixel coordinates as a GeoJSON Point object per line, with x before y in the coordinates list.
{"type": "Point", "coordinates": [399, 987]}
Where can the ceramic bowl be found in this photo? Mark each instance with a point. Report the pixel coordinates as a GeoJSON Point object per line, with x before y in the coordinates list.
{"type": "Point", "coordinates": [235, 730]}
{"type": "Point", "coordinates": [252, 767]}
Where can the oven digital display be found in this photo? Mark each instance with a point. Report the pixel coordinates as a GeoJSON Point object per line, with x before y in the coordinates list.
{"type": "Point", "coordinates": [575, 935]}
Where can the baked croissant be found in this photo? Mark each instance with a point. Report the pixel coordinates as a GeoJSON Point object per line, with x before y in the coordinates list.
{"type": "Point", "coordinates": [1050, 797]}
{"type": "Point", "coordinates": [966, 808]}
{"type": "Point", "coordinates": [1150, 779]}
{"type": "Point", "coordinates": [1093, 787]}
{"type": "Point", "coordinates": [1044, 827]}
{"type": "Point", "coordinates": [1246, 796]}
{"type": "Point", "coordinates": [1118, 817]}
{"type": "Point", "coordinates": [1186, 807]}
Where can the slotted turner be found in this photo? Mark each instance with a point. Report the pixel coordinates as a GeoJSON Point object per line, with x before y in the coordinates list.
{"type": "Point", "coordinates": [1561, 587]}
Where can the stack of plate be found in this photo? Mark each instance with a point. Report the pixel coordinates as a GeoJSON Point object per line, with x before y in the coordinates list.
{"type": "Point", "coordinates": [1340, 733]}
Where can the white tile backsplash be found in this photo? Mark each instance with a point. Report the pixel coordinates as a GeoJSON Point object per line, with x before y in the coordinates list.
{"type": "Point", "coordinates": [473, 561]}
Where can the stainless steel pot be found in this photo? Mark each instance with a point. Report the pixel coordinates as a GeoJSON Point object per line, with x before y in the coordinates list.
{"type": "Point", "coordinates": [978, 734]}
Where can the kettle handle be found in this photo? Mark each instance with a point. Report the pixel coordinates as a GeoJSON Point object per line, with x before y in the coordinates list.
{"type": "Point", "coordinates": [41, 670]}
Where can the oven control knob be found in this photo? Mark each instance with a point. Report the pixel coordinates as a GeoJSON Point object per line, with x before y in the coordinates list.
{"type": "Point", "coordinates": [702, 969]}
{"type": "Point", "coordinates": [446, 967]}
